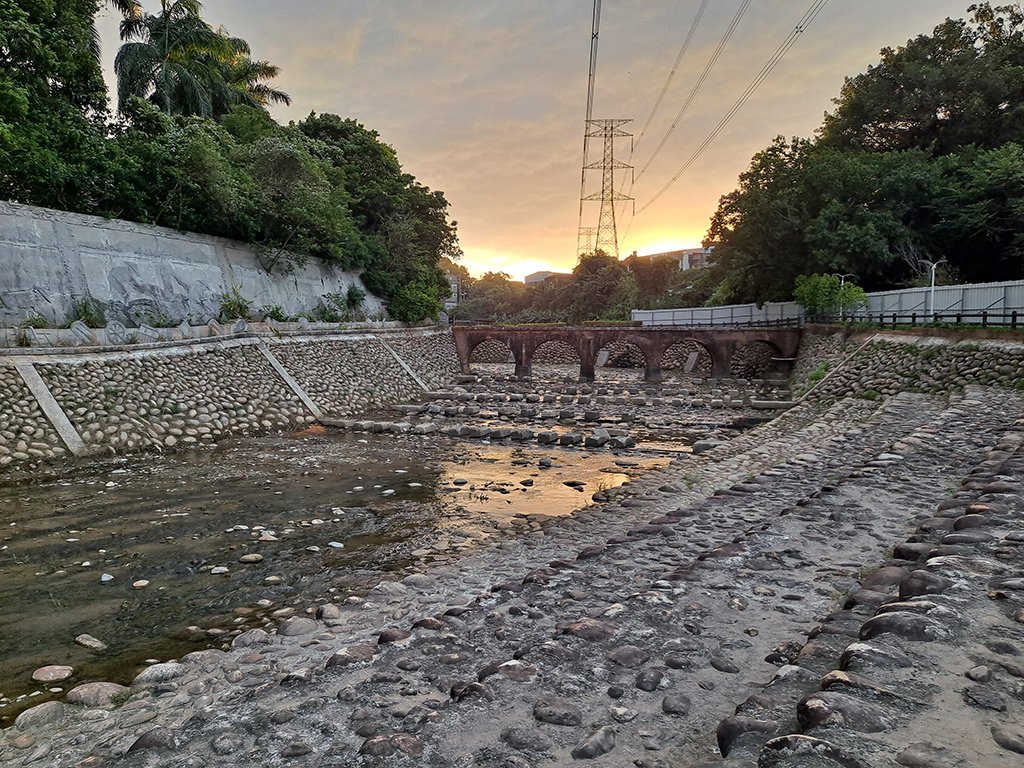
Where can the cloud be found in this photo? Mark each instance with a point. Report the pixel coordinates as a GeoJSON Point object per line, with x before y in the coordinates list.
{"type": "Point", "coordinates": [485, 99]}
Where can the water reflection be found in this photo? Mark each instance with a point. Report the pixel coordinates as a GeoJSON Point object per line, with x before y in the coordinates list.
{"type": "Point", "coordinates": [323, 511]}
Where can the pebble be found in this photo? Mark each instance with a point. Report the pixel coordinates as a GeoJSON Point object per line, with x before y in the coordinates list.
{"type": "Point", "coordinates": [90, 642]}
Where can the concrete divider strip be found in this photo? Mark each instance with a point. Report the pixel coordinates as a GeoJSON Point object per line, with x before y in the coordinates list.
{"type": "Point", "coordinates": [291, 382]}
{"type": "Point", "coordinates": [401, 362]}
{"type": "Point", "coordinates": [51, 408]}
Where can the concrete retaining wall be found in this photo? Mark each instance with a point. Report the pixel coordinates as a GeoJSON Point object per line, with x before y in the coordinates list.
{"type": "Point", "coordinates": [140, 274]}
{"type": "Point", "coordinates": [118, 401]}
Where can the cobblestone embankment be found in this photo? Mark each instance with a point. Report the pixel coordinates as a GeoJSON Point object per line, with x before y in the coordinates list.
{"type": "Point", "coordinates": [183, 395]}
{"type": "Point", "coordinates": [642, 631]}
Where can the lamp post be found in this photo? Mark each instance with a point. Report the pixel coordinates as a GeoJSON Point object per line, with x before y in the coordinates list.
{"type": "Point", "coordinates": [842, 281]}
{"type": "Point", "coordinates": [933, 265]}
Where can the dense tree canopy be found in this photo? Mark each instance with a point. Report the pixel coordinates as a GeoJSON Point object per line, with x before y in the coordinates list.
{"type": "Point", "coordinates": [922, 159]}
{"type": "Point", "coordinates": [194, 148]}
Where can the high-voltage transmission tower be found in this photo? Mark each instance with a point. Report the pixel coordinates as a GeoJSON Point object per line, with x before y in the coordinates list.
{"type": "Point", "coordinates": [608, 131]}
{"type": "Point", "coordinates": [586, 240]}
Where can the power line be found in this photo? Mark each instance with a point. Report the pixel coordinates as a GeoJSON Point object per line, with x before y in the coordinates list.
{"type": "Point", "coordinates": [675, 66]}
{"type": "Point", "coordinates": [595, 29]}
{"type": "Point", "coordinates": [700, 82]}
{"type": "Point", "coordinates": [809, 16]}
{"type": "Point", "coordinates": [671, 75]}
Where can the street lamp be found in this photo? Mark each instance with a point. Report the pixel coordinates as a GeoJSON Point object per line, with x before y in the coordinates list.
{"type": "Point", "coordinates": [933, 265]}
{"type": "Point", "coordinates": [842, 281]}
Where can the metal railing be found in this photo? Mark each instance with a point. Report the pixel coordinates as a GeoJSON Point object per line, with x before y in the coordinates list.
{"type": "Point", "coordinates": [984, 319]}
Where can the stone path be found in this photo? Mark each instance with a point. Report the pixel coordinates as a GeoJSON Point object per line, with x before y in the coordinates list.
{"type": "Point", "coordinates": [644, 631]}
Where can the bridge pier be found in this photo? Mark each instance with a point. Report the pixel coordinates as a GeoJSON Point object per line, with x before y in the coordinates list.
{"type": "Point", "coordinates": [652, 374]}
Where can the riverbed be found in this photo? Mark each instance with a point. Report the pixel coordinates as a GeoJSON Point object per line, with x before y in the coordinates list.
{"type": "Point", "coordinates": [155, 556]}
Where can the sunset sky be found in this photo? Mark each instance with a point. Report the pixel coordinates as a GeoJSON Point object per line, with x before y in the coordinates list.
{"type": "Point", "coordinates": [485, 99]}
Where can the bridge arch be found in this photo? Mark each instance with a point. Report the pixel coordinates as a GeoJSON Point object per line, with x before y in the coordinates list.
{"type": "Point", "coordinates": [756, 359]}
{"type": "Point", "coordinates": [688, 357]}
{"type": "Point", "coordinates": [490, 350]}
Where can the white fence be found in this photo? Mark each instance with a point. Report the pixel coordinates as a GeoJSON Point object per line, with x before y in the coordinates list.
{"type": "Point", "coordinates": [976, 297]}
{"type": "Point", "coordinates": [733, 314]}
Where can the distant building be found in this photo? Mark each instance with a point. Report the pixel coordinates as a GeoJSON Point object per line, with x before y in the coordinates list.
{"type": "Point", "coordinates": [458, 289]}
{"type": "Point", "coordinates": [688, 258]}
{"type": "Point", "coordinates": [544, 277]}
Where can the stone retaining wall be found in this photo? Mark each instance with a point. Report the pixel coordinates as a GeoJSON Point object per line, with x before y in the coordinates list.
{"type": "Point", "coordinates": [887, 363]}
{"type": "Point", "coordinates": [344, 377]}
{"type": "Point", "coordinates": [25, 433]}
{"type": "Point", "coordinates": [142, 401]}
{"type": "Point", "coordinates": [434, 358]}
{"type": "Point", "coordinates": [181, 395]}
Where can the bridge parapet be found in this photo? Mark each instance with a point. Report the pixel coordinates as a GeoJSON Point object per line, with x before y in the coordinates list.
{"type": "Point", "coordinates": [721, 345]}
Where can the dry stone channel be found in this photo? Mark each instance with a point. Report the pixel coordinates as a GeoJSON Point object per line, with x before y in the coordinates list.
{"type": "Point", "coordinates": [554, 412]}
{"type": "Point", "coordinates": [840, 587]}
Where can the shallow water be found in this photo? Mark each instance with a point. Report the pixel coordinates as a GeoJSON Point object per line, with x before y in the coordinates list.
{"type": "Point", "coordinates": [387, 501]}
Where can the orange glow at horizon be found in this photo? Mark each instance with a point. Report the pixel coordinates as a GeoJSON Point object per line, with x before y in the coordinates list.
{"type": "Point", "coordinates": [479, 261]}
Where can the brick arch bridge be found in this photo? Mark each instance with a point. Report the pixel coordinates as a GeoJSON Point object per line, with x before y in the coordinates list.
{"type": "Point", "coordinates": [721, 345]}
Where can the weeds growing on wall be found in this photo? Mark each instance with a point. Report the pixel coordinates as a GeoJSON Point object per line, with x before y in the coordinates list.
{"type": "Point", "coordinates": [277, 314]}
{"type": "Point", "coordinates": [234, 306]}
{"type": "Point", "coordinates": [819, 372]}
{"type": "Point", "coordinates": [35, 321]}
{"type": "Point", "coordinates": [88, 311]}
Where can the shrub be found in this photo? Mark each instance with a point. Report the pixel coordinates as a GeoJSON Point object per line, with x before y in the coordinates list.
{"type": "Point", "coordinates": [234, 306]}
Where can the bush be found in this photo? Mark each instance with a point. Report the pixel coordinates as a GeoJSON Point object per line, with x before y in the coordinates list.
{"type": "Point", "coordinates": [234, 306]}
{"type": "Point", "coordinates": [413, 303]}
{"type": "Point", "coordinates": [87, 311]}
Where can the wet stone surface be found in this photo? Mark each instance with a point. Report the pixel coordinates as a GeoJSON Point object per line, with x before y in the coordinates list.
{"type": "Point", "coordinates": [738, 607]}
{"type": "Point", "coordinates": [119, 561]}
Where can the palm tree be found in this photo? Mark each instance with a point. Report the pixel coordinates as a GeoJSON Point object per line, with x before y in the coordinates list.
{"type": "Point", "coordinates": [247, 82]}
{"type": "Point", "coordinates": [185, 66]}
{"type": "Point", "coordinates": [130, 9]}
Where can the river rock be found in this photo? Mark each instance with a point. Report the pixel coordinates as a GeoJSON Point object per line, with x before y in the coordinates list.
{"type": "Point", "coordinates": [909, 626]}
{"type": "Point", "coordinates": [526, 739]}
{"type": "Point", "coordinates": [1009, 739]}
{"type": "Point", "coordinates": [159, 673]}
{"type": "Point", "coordinates": [737, 729]}
{"type": "Point", "coordinates": [598, 743]}
{"type": "Point", "coordinates": [45, 714]}
{"type": "Point", "coordinates": [94, 694]}
{"type": "Point", "coordinates": [297, 625]}
{"type": "Point", "coordinates": [557, 711]}
{"type": "Point", "coordinates": [832, 708]}
{"type": "Point", "coordinates": [53, 673]}
{"type": "Point", "coordinates": [629, 656]}
{"type": "Point", "coordinates": [156, 738]}
{"type": "Point", "coordinates": [90, 642]}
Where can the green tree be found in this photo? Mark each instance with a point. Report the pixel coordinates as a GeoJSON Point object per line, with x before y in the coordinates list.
{"type": "Point", "coordinates": [596, 287]}
{"type": "Point", "coordinates": [185, 66]}
{"type": "Point", "coordinates": [963, 84]}
{"type": "Point", "coordinates": [827, 294]}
